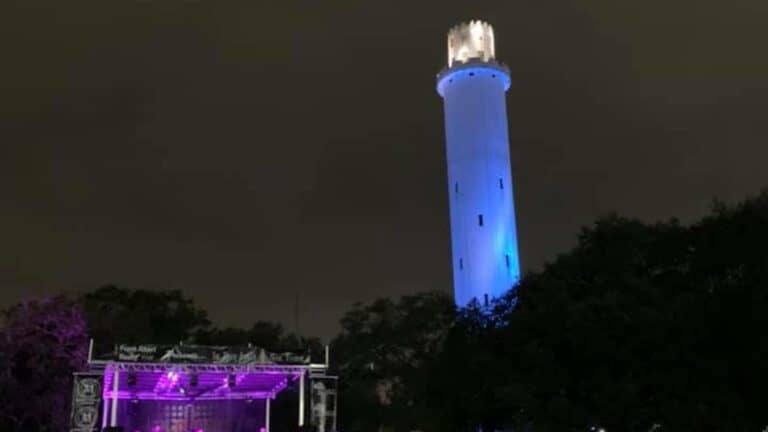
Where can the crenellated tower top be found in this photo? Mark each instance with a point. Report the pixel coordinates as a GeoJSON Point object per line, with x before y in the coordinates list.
{"type": "Point", "coordinates": [470, 41]}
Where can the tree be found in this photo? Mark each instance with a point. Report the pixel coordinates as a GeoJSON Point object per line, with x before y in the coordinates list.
{"type": "Point", "coordinates": [382, 354]}
{"type": "Point", "coordinates": [638, 325]}
{"type": "Point", "coordinates": [44, 341]}
{"type": "Point", "coordinates": [117, 315]}
{"type": "Point", "coordinates": [263, 334]}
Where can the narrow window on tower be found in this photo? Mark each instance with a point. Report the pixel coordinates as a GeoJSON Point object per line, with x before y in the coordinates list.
{"type": "Point", "coordinates": [461, 264]}
{"type": "Point", "coordinates": [486, 300]}
{"type": "Point", "coordinates": [501, 183]}
{"type": "Point", "coordinates": [506, 258]}
{"type": "Point", "coordinates": [456, 188]}
{"type": "Point", "coordinates": [480, 220]}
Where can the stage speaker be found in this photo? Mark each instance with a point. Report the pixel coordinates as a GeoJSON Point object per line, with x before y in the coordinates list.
{"type": "Point", "coordinates": [113, 429]}
{"type": "Point", "coordinates": [131, 379]}
{"type": "Point", "coordinates": [231, 380]}
{"type": "Point", "coordinates": [193, 379]}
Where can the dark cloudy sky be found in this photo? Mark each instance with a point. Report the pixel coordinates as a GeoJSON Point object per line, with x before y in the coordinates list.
{"type": "Point", "coordinates": [246, 151]}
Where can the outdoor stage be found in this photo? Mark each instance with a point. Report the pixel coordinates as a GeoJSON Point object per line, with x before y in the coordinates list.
{"type": "Point", "coordinates": [152, 388]}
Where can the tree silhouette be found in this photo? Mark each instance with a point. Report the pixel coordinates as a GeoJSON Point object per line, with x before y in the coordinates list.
{"type": "Point", "coordinates": [42, 344]}
{"type": "Point", "coordinates": [382, 353]}
{"type": "Point", "coordinates": [118, 315]}
{"type": "Point", "coordinates": [639, 327]}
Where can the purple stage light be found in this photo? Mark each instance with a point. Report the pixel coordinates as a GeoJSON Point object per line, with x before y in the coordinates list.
{"type": "Point", "coordinates": [144, 396]}
{"type": "Point", "coordinates": [194, 396]}
{"type": "Point", "coordinates": [175, 385]}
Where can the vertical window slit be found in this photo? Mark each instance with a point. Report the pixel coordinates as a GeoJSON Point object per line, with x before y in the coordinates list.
{"type": "Point", "coordinates": [461, 264]}
{"type": "Point", "coordinates": [501, 183]}
{"type": "Point", "coordinates": [480, 219]}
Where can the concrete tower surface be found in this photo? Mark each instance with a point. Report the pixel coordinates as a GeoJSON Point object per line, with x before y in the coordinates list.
{"type": "Point", "coordinates": [483, 231]}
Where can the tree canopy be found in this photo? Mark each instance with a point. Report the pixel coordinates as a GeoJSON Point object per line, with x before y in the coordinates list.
{"type": "Point", "coordinates": [641, 326]}
{"type": "Point", "coordinates": [42, 343]}
{"type": "Point", "coordinates": [119, 315]}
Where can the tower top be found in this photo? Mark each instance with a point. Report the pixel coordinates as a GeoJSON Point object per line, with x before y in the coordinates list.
{"type": "Point", "coordinates": [470, 41]}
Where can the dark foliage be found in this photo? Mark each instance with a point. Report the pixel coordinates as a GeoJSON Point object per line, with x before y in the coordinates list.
{"type": "Point", "coordinates": [41, 344]}
{"type": "Point", "coordinates": [263, 334]}
{"type": "Point", "coordinates": [641, 327]}
{"type": "Point", "coordinates": [382, 355]}
{"type": "Point", "coordinates": [118, 315]}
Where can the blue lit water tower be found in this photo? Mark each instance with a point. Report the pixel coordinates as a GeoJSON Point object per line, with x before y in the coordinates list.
{"type": "Point", "coordinates": [482, 211]}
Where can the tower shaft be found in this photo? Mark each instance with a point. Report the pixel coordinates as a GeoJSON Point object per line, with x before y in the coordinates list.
{"type": "Point", "coordinates": [482, 211]}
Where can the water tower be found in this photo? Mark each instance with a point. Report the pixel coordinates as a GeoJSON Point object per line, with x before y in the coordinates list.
{"type": "Point", "coordinates": [482, 211]}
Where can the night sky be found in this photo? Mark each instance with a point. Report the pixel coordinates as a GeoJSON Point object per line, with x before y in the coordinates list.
{"type": "Point", "coordinates": [247, 151]}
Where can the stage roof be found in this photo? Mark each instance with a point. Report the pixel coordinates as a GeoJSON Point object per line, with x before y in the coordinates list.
{"type": "Point", "coordinates": [197, 382]}
{"type": "Point", "coordinates": [194, 372]}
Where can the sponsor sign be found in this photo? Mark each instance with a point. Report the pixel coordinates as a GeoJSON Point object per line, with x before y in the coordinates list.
{"type": "Point", "coordinates": [205, 354]}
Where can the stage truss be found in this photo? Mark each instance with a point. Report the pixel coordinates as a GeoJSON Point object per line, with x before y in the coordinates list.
{"type": "Point", "coordinates": [111, 387]}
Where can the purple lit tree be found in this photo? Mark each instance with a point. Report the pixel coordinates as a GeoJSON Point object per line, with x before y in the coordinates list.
{"type": "Point", "coordinates": [42, 343]}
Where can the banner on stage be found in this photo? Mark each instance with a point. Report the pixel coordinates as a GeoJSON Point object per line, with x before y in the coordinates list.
{"type": "Point", "coordinates": [205, 354]}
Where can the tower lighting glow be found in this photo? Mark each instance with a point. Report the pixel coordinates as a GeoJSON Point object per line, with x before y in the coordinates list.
{"type": "Point", "coordinates": [482, 211]}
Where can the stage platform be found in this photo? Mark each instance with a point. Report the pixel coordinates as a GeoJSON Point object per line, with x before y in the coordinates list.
{"type": "Point", "coordinates": [190, 388]}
